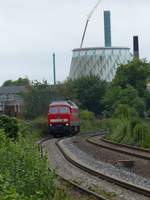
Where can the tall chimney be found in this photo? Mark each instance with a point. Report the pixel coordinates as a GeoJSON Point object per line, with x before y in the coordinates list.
{"type": "Point", "coordinates": [107, 28]}
{"type": "Point", "coordinates": [136, 47]}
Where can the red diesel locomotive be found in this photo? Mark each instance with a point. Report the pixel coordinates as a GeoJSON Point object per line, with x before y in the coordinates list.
{"type": "Point", "coordinates": [63, 118]}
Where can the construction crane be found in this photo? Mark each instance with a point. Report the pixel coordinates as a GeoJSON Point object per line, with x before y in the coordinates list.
{"type": "Point", "coordinates": [87, 21]}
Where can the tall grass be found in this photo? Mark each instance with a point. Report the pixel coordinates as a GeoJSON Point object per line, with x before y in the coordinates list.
{"type": "Point", "coordinates": [127, 131]}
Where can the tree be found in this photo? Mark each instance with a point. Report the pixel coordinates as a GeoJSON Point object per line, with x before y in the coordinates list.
{"type": "Point", "coordinates": [115, 95]}
{"type": "Point", "coordinates": [64, 91]}
{"type": "Point", "coordinates": [135, 73]}
{"type": "Point", "coordinates": [129, 87]}
{"type": "Point", "coordinates": [89, 91]}
{"type": "Point", "coordinates": [36, 98]}
{"type": "Point", "coordinates": [19, 82]}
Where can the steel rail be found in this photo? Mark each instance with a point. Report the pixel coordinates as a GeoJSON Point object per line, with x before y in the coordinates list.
{"type": "Point", "coordinates": [89, 140]}
{"type": "Point", "coordinates": [127, 146]}
{"type": "Point", "coordinates": [119, 182]}
{"type": "Point", "coordinates": [82, 189]}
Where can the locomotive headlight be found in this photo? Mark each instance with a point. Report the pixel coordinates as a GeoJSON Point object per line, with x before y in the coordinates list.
{"type": "Point", "coordinates": [67, 124]}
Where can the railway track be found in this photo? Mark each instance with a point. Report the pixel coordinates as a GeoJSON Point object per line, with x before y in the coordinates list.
{"type": "Point", "coordinates": [82, 189]}
{"type": "Point", "coordinates": [127, 185]}
{"type": "Point", "coordinates": [110, 179]}
{"type": "Point", "coordinates": [125, 149]}
{"type": "Point", "coordinates": [77, 187]}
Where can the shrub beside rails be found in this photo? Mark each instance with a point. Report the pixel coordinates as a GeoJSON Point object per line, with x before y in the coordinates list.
{"type": "Point", "coordinates": [9, 125]}
{"type": "Point", "coordinates": [63, 118]}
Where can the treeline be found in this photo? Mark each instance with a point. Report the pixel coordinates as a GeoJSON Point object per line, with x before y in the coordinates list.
{"type": "Point", "coordinates": [127, 103]}
{"type": "Point", "coordinates": [19, 82]}
{"type": "Point", "coordinates": [126, 98]}
{"type": "Point", "coordinates": [87, 92]}
{"type": "Point", "coordinates": [124, 103]}
{"type": "Point", "coordinates": [128, 88]}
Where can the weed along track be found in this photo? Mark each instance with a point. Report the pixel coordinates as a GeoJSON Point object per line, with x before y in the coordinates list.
{"type": "Point", "coordinates": [64, 158]}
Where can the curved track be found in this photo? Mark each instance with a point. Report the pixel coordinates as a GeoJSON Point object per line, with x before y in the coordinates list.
{"type": "Point", "coordinates": [127, 185]}
{"type": "Point", "coordinates": [101, 142]}
{"type": "Point", "coordinates": [121, 183]}
{"type": "Point", "coordinates": [76, 186]}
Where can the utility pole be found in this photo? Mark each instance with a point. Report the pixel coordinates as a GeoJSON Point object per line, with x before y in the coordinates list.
{"type": "Point", "coordinates": [54, 69]}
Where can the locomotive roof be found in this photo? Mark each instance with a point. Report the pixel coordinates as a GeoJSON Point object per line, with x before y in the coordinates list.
{"type": "Point", "coordinates": [64, 103]}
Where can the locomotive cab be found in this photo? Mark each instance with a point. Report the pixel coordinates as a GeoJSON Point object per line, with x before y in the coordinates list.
{"type": "Point", "coordinates": [63, 118]}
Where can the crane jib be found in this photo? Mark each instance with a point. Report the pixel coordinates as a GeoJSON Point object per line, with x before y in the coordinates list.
{"type": "Point", "coordinates": [87, 21]}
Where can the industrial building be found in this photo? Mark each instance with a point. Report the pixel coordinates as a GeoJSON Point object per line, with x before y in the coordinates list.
{"type": "Point", "coordinates": [100, 61]}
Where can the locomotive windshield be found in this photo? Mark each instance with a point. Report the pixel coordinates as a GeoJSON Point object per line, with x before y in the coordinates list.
{"type": "Point", "coordinates": [64, 109]}
{"type": "Point", "coordinates": [53, 110]}
{"type": "Point", "coordinates": [60, 109]}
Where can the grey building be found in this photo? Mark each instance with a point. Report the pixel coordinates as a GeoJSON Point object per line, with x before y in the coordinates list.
{"type": "Point", "coordinates": [102, 61]}
{"type": "Point", "coordinates": [10, 99]}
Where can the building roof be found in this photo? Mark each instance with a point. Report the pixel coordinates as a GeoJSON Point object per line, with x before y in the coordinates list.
{"type": "Point", "coordinates": [12, 89]}
{"type": "Point", "coordinates": [100, 48]}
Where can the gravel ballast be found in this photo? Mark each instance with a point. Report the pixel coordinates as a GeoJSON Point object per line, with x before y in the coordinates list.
{"type": "Point", "coordinates": [105, 168]}
{"type": "Point", "coordinates": [141, 166]}
{"type": "Point", "coordinates": [70, 172]}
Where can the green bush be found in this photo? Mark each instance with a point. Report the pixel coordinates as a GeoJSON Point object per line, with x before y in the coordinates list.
{"type": "Point", "coordinates": [129, 131]}
{"type": "Point", "coordinates": [10, 126]}
{"type": "Point", "coordinates": [141, 135]}
{"type": "Point", "coordinates": [133, 122]}
{"type": "Point", "coordinates": [87, 115]}
{"type": "Point", "coordinates": [24, 175]}
{"type": "Point", "coordinates": [118, 129]}
{"type": "Point", "coordinates": [25, 128]}
{"type": "Point", "coordinates": [40, 124]}
{"type": "Point", "coordinates": [89, 123]}
{"type": "Point", "coordinates": [125, 111]}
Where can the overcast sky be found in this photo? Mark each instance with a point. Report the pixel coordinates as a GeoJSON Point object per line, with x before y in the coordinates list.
{"type": "Point", "coordinates": [31, 30]}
